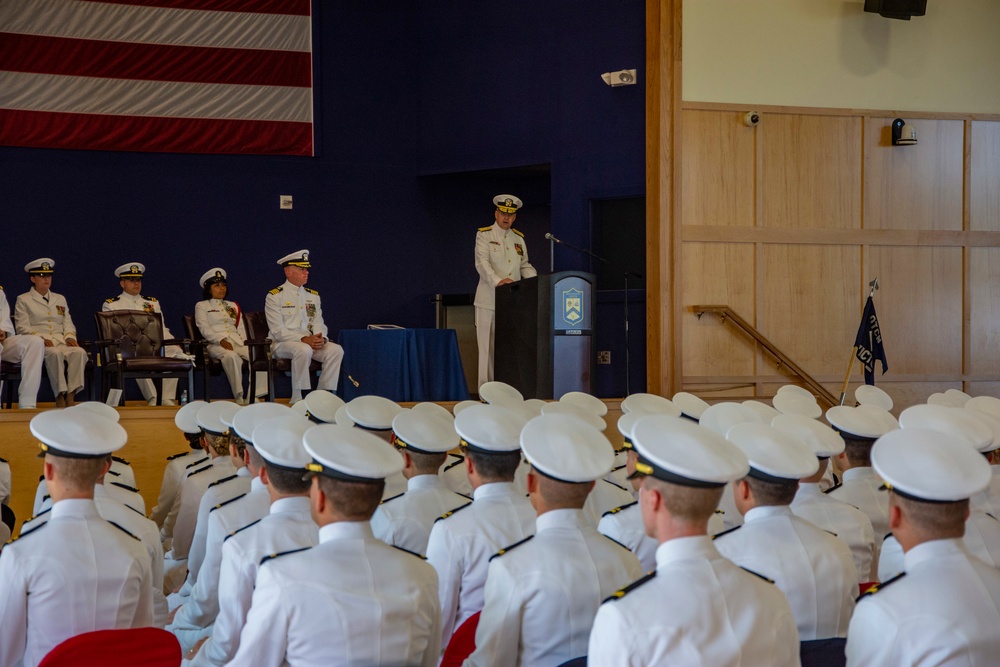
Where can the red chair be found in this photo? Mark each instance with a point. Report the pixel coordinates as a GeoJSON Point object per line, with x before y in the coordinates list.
{"type": "Point", "coordinates": [462, 643]}
{"type": "Point", "coordinates": [149, 647]}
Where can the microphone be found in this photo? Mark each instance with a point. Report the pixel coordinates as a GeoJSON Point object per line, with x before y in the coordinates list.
{"type": "Point", "coordinates": [549, 237]}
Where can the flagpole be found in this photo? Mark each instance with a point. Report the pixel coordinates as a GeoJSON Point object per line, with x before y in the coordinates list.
{"type": "Point", "coordinates": [854, 352]}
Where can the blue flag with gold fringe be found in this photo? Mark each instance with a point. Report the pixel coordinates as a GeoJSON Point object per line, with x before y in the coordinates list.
{"type": "Point", "coordinates": [868, 343]}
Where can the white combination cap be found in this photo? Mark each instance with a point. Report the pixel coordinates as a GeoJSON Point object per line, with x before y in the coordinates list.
{"type": "Point", "coordinates": [186, 419]}
{"type": "Point", "coordinates": [350, 454]}
{"type": "Point", "coordinates": [299, 258]}
{"type": "Point", "coordinates": [586, 416]}
{"type": "Point", "coordinates": [507, 203]}
{"type": "Point", "coordinates": [461, 405]}
{"type": "Point", "coordinates": [342, 418]}
{"type": "Point", "coordinates": [862, 422]}
{"type": "Point", "coordinates": [214, 275]}
{"type": "Point", "coordinates": [533, 406]}
{"type": "Point", "coordinates": [247, 419]}
{"type": "Point", "coordinates": [131, 270]}
{"type": "Point", "coordinates": [565, 449]}
{"type": "Point", "coordinates": [77, 434]}
{"type": "Point", "coordinates": [500, 393]}
{"type": "Point", "coordinates": [954, 400]}
{"type": "Point", "coordinates": [279, 441]}
{"type": "Point", "coordinates": [490, 429]}
{"type": "Point", "coordinates": [586, 402]}
{"type": "Point", "coordinates": [626, 424]}
{"type": "Point", "coordinates": [992, 422]}
{"type": "Point", "coordinates": [425, 432]}
{"type": "Point", "coordinates": [765, 411]}
{"type": "Point", "coordinates": [988, 404]}
{"type": "Point", "coordinates": [958, 396]}
{"type": "Point", "coordinates": [823, 440]}
{"type": "Point", "coordinates": [791, 403]}
{"type": "Point", "coordinates": [434, 409]}
{"type": "Point", "coordinates": [690, 405]}
{"type": "Point", "coordinates": [794, 390]}
{"type": "Point", "coordinates": [229, 416]}
{"type": "Point", "coordinates": [102, 409]}
{"type": "Point", "coordinates": [211, 417]}
{"type": "Point", "coordinates": [929, 466]}
{"type": "Point", "coordinates": [373, 413]}
{"type": "Point", "coordinates": [774, 455]}
{"type": "Point", "coordinates": [651, 403]}
{"type": "Point", "coordinates": [43, 266]}
{"type": "Point", "coordinates": [300, 408]}
{"type": "Point", "coordinates": [723, 416]}
{"type": "Point", "coordinates": [869, 394]}
{"type": "Point", "coordinates": [957, 422]}
{"type": "Point", "coordinates": [321, 406]}
{"type": "Point", "coordinates": [675, 450]}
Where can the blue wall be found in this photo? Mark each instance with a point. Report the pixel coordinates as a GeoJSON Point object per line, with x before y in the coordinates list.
{"type": "Point", "coordinates": [403, 90]}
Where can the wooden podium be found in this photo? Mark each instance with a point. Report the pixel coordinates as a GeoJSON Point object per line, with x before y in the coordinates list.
{"type": "Point", "coordinates": [544, 334]}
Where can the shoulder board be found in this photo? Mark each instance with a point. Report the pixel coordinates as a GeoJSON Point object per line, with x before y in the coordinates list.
{"type": "Point", "coordinates": [616, 485]}
{"type": "Point", "coordinates": [279, 555]}
{"type": "Point", "coordinates": [618, 595]}
{"type": "Point", "coordinates": [120, 460]}
{"type": "Point", "coordinates": [147, 298]}
{"type": "Point", "coordinates": [398, 495]}
{"type": "Point", "coordinates": [223, 480]}
{"type": "Point", "coordinates": [887, 536]}
{"type": "Point", "coordinates": [877, 587]}
{"type": "Point", "coordinates": [42, 513]}
{"type": "Point", "coordinates": [112, 299]}
{"type": "Point", "coordinates": [33, 530]}
{"type": "Point", "coordinates": [176, 456]}
{"type": "Point", "coordinates": [511, 547]}
{"type": "Point", "coordinates": [725, 532]}
{"type": "Point", "coordinates": [448, 514]}
{"type": "Point", "coordinates": [114, 474]}
{"type": "Point", "coordinates": [41, 477]}
{"type": "Point", "coordinates": [45, 497]}
{"type": "Point", "coordinates": [412, 553]}
{"type": "Point", "coordinates": [836, 480]}
{"type": "Point", "coordinates": [451, 465]}
{"type": "Point", "coordinates": [617, 468]}
{"type": "Point", "coordinates": [617, 542]}
{"type": "Point", "coordinates": [486, 228]}
{"type": "Point", "coordinates": [124, 486]}
{"type": "Point", "coordinates": [463, 495]}
{"type": "Point", "coordinates": [991, 516]}
{"type": "Point", "coordinates": [231, 500]}
{"type": "Point", "coordinates": [276, 290]}
{"type": "Point", "coordinates": [518, 233]}
{"type": "Point", "coordinates": [196, 463]}
{"type": "Point", "coordinates": [620, 508]}
{"type": "Point", "coordinates": [203, 468]}
{"type": "Point", "coordinates": [758, 574]}
{"type": "Point", "coordinates": [718, 511]}
{"type": "Point", "coordinates": [124, 531]}
{"type": "Point", "coordinates": [832, 533]}
{"type": "Point", "coordinates": [3, 460]}
{"type": "Point", "coordinates": [833, 488]}
{"type": "Point", "coordinates": [240, 530]}
{"type": "Point", "coordinates": [312, 291]}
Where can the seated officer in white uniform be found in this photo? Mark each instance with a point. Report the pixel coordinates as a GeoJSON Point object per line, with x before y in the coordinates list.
{"type": "Point", "coordinates": [179, 464]}
{"type": "Point", "coordinates": [944, 610]}
{"type": "Point", "coordinates": [423, 439]}
{"type": "Point", "coordinates": [848, 523]}
{"type": "Point", "coordinates": [28, 351]}
{"type": "Point", "coordinates": [375, 414]}
{"type": "Point", "coordinates": [287, 527]}
{"type": "Point", "coordinates": [220, 321]}
{"type": "Point", "coordinates": [810, 566]}
{"type": "Point", "coordinates": [542, 594]}
{"type": "Point", "coordinates": [295, 321]}
{"type": "Point", "coordinates": [697, 608]}
{"type": "Point", "coordinates": [463, 540]}
{"type": "Point", "coordinates": [351, 600]}
{"type": "Point", "coordinates": [77, 572]}
{"type": "Point", "coordinates": [41, 312]}
{"type": "Point", "coordinates": [501, 258]}
{"type": "Point", "coordinates": [131, 298]}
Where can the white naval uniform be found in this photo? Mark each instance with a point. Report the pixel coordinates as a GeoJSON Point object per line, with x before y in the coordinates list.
{"type": "Point", "coordinates": [123, 493]}
{"type": "Point", "coordinates": [989, 500]}
{"type": "Point", "coordinates": [200, 608]}
{"type": "Point", "coordinates": [219, 320]}
{"type": "Point", "coordinates": [698, 609]}
{"type": "Point", "coordinates": [454, 476]}
{"type": "Point", "coordinates": [460, 547]}
{"type": "Point", "coordinates": [76, 573]}
{"type": "Point", "coordinates": [943, 611]}
{"type": "Point", "coordinates": [605, 497]}
{"type": "Point", "coordinates": [406, 520]}
{"type": "Point", "coordinates": [48, 316]}
{"type": "Point", "coordinates": [217, 493]}
{"type": "Point", "coordinates": [125, 301]}
{"type": "Point", "coordinates": [292, 314]}
{"type": "Point", "coordinates": [981, 539]}
{"type": "Point", "coordinates": [4, 482]}
{"type": "Point", "coordinates": [542, 595]}
{"type": "Point", "coordinates": [334, 605]}
{"type": "Point", "coordinates": [177, 467]}
{"type": "Point", "coordinates": [810, 566]}
{"type": "Point", "coordinates": [29, 351]}
{"type": "Point", "coordinates": [500, 254]}
{"type": "Point", "coordinates": [861, 487]}
{"type": "Point", "coordinates": [848, 523]}
{"type": "Point", "coordinates": [287, 527]}
{"type": "Point", "coordinates": [184, 515]}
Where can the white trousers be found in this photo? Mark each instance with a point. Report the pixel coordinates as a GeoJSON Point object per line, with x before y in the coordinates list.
{"type": "Point", "coordinates": [64, 366]}
{"type": "Point", "coordinates": [330, 355]}
{"type": "Point", "coordinates": [27, 351]}
{"type": "Point", "coordinates": [232, 365]}
{"type": "Point", "coordinates": [485, 328]}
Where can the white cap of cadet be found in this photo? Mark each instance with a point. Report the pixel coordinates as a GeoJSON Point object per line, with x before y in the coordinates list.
{"type": "Point", "coordinates": [586, 416]}
{"type": "Point", "coordinates": [823, 440]}
{"type": "Point", "coordinates": [674, 450]}
{"type": "Point", "coordinates": [321, 406]}
{"type": "Point", "coordinates": [76, 434]}
{"type": "Point", "coordinates": [774, 455]}
{"type": "Point", "coordinates": [500, 393]}
{"type": "Point", "coordinates": [186, 418]}
{"type": "Point", "coordinates": [247, 419]}
{"type": "Point", "coordinates": [425, 432]}
{"type": "Point", "coordinates": [279, 442]}
{"type": "Point", "coordinates": [723, 416]}
{"type": "Point", "coordinates": [462, 405]}
{"type": "Point", "coordinates": [929, 465]}
{"type": "Point", "coordinates": [434, 409]}
{"type": "Point", "coordinates": [957, 422]}
{"type": "Point", "coordinates": [766, 412]}
{"type": "Point", "coordinates": [490, 429]}
{"type": "Point", "coordinates": [869, 394]}
{"type": "Point", "coordinates": [865, 422]}
{"type": "Point", "coordinates": [342, 418]}
{"type": "Point", "coordinates": [690, 405]}
{"type": "Point", "coordinates": [98, 408]}
{"type": "Point", "coordinates": [794, 403]}
{"type": "Point", "coordinates": [350, 454]}
{"type": "Point", "coordinates": [585, 401]}
{"type": "Point", "coordinates": [566, 449]}
{"type": "Point", "coordinates": [210, 416]}
{"type": "Point", "coordinates": [373, 413]}
{"type": "Point", "coordinates": [651, 403]}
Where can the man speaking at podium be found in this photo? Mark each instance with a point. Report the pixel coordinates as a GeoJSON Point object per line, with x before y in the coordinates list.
{"type": "Point", "coordinates": [501, 258]}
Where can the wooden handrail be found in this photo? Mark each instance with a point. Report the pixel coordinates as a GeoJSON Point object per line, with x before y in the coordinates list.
{"type": "Point", "coordinates": [727, 313]}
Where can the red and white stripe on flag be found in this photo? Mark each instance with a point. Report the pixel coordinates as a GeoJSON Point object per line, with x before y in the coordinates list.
{"type": "Point", "coordinates": [176, 76]}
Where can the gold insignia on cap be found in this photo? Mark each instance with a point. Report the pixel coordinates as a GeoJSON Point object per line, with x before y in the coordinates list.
{"type": "Point", "coordinates": [314, 467]}
{"type": "Point", "coordinates": [508, 202]}
{"type": "Point", "coordinates": [643, 468]}
{"type": "Point", "coordinates": [218, 274]}
{"type": "Point", "coordinates": [46, 266]}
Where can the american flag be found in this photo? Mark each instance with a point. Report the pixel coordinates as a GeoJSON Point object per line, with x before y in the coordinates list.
{"type": "Point", "coordinates": [182, 76]}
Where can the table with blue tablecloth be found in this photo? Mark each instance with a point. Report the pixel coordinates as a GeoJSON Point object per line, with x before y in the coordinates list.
{"type": "Point", "coordinates": [402, 365]}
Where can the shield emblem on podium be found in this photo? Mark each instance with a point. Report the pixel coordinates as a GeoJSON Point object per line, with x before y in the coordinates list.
{"type": "Point", "coordinates": [573, 306]}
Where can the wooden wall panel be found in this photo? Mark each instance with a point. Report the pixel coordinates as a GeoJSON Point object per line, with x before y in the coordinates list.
{"type": "Point", "coordinates": [984, 310]}
{"type": "Point", "coordinates": [718, 169]}
{"type": "Point", "coordinates": [985, 176]}
{"type": "Point", "coordinates": [919, 307]}
{"type": "Point", "coordinates": [914, 187]}
{"type": "Point", "coordinates": [811, 171]}
{"type": "Point", "coordinates": [717, 275]}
